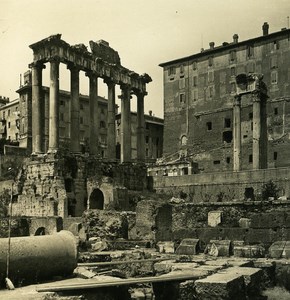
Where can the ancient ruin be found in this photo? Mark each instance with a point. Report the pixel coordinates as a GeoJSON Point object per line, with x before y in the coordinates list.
{"type": "Point", "coordinates": [179, 229]}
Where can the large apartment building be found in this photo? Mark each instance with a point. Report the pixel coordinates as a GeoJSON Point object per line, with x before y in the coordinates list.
{"type": "Point", "coordinates": [199, 93]}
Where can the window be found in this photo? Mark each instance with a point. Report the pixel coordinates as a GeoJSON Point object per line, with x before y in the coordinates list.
{"type": "Point", "coordinates": [275, 155]}
{"type": "Point", "coordinates": [233, 87]}
{"type": "Point", "coordinates": [194, 65]}
{"type": "Point", "coordinates": [194, 82]}
{"type": "Point", "coordinates": [228, 159]}
{"type": "Point", "coordinates": [227, 136]}
{"type": "Point", "coordinates": [274, 77]}
{"type": "Point", "coordinates": [216, 162]}
{"type": "Point", "coordinates": [209, 125]}
{"type": "Point", "coordinates": [233, 71]}
{"type": "Point", "coordinates": [232, 55]}
{"type": "Point", "coordinates": [182, 83]}
{"type": "Point", "coordinates": [250, 158]}
{"type": "Point", "coordinates": [102, 124]}
{"type": "Point", "coordinates": [181, 69]}
{"type": "Point", "coordinates": [147, 152]}
{"type": "Point", "coordinates": [8, 112]}
{"type": "Point", "coordinates": [250, 51]}
{"type": "Point", "coordinates": [227, 123]}
{"type": "Point", "coordinates": [8, 124]}
{"type": "Point", "coordinates": [81, 106]}
{"type": "Point", "coordinates": [250, 116]}
{"type": "Point", "coordinates": [81, 120]}
{"type": "Point", "coordinates": [251, 67]}
{"type": "Point", "coordinates": [62, 103]}
{"type": "Point", "coordinates": [102, 111]}
{"type": "Point", "coordinates": [195, 95]}
{"type": "Point", "coordinates": [210, 76]}
{"type": "Point", "coordinates": [16, 136]}
{"type": "Point", "coordinates": [210, 61]}
{"type": "Point", "coordinates": [273, 62]}
{"type": "Point", "coordinates": [182, 98]}
{"type": "Point", "coordinates": [276, 111]}
{"type": "Point", "coordinates": [183, 140]}
{"type": "Point", "coordinates": [275, 45]}
{"type": "Point", "coordinates": [147, 139]}
{"type": "Point", "coordinates": [171, 71]}
{"type": "Point", "coordinates": [210, 91]}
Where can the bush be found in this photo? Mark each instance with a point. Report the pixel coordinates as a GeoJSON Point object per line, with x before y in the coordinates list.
{"type": "Point", "coordinates": [270, 189]}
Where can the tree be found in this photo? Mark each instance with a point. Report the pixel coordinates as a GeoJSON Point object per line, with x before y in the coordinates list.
{"type": "Point", "coordinates": [270, 189]}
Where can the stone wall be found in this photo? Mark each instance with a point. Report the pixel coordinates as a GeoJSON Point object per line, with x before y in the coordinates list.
{"type": "Point", "coordinates": [222, 186]}
{"type": "Point", "coordinates": [253, 221]}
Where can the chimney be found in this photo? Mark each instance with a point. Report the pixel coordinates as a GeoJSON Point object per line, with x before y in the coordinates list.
{"type": "Point", "coordinates": [150, 112]}
{"type": "Point", "coordinates": [211, 45]}
{"type": "Point", "coordinates": [235, 38]}
{"type": "Point", "coordinates": [265, 28]}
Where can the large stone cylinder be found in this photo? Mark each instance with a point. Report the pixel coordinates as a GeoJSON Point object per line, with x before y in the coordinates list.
{"type": "Point", "coordinates": [38, 257]}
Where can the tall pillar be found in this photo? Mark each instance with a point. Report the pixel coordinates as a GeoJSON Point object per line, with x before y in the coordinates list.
{"type": "Point", "coordinates": [125, 124]}
{"type": "Point", "coordinates": [256, 130]}
{"type": "Point", "coordinates": [140, 127]}
{"type": "Point", "coordinates": [53, 142]}
{"type": "Point", "coordinates": [37, 115]}
{"type": "Point", "coordinates": [111, 133]}
{"type": "Point", "coordinates": [75, 109]}
{"type": "Point", "coordinates": [94, 113]}
{"type": "Point", "coordinates": [237, 133]}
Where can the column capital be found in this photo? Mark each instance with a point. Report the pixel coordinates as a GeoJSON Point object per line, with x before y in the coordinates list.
{"type": "Point", "coordinates": [256, 96]}
{"type": "Point", "coordinates": [91, 74]}
{"type": "Point", "coordinates": [109, 81]}
{"type": "Point", "coordinates": [72, 67]}
{"type": "Point", "coordinates": [37, 65]}
{"type": "Point", "coordinates": [140, 93]}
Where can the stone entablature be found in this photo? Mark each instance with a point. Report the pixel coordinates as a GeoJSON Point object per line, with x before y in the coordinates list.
{"type": "Point", "coordinates": [102, 65]}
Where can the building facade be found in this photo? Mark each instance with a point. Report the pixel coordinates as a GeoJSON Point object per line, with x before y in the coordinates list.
{"type": "Point", "coordinates": [199, 94]}
{"type": "Point", "coordinates": [153, 136]}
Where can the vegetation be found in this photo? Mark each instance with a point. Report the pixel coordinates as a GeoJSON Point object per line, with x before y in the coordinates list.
{"type": "Point", "coordinates": [269, 189]}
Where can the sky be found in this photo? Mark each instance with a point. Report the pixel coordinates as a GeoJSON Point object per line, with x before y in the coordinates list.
{"type": "Point", "coordinates": [144, 32]}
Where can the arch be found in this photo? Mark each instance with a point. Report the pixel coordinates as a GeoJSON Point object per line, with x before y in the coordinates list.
{"type": "Point", "coordinates": [183, 140]}
{"type": "Point", "coordinates": [40, 231]}
{"type": "Point", "coordinates": [96, 200]}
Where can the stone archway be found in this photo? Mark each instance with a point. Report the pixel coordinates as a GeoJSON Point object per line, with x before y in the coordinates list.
{"type": "Point", "coordinates": [40, 231]}
{"type": "Point", "coordinates": [96, 200]}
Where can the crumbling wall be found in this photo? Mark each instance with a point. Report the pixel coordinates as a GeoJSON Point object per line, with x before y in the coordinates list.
{"type": "Point", "coordinates": [253, 222]}
{"type": "Point", "coordinates": [105, 224]}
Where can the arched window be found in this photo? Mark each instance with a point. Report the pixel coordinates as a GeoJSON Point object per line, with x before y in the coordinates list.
{"type": "Point", "coordinates": [183, 140]}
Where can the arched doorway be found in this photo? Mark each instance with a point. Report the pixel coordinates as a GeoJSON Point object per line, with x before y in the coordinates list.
{"type": "Point", "coordinates": [96, 199]}
{"type": "Point", "coordinates": [40, 231]}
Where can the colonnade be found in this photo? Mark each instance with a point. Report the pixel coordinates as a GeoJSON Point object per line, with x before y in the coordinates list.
{"type": "Point", "coordinates": [53, 144]}
{"type": "Point", "coordinates": [259, 129]}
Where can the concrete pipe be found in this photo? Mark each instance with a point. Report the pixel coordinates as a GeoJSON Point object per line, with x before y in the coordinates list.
{"type": "Point", "coordinates": [36, 258]}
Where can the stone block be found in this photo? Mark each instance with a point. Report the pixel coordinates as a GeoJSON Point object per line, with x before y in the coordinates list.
{"type": "Point", "coordinates": [163, 267]}
{"type": "Point", "coordinates": [268, 219]}
{"type": "Point", "coordinates": [219, 248]}
{"type": "Point", "coordinates": [183, 266]}
{"type": "Point", "coordinates": [249, 251]}
{"type": "Point", "coordinates": [214, 218]}
{"type": "Point", "coordinates": [166, 247]}
{"type": "Point", "coordinates": [245, 223]}
{"type": "Point", "coordinates": [188, 247]}
{"type": "Point", "coordinates": [252, 278]}
{"type": "Point", "coordinates": [286, 251]}
{"type": "Point", "coordinates": [84, 273]}
{"type": "Point", "coordinates": [276, 249]}
{"type": "Point", "coordinates": [221, 286]}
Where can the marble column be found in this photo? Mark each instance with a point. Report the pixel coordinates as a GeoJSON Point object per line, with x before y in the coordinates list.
{"type": "Point", "coordinates": [74, 109]}
{"type": "Point", "coordinates": [140, 127]}
{"type": "Point", "coordinates": [37, 114]}
{"type": "Point", "coordinates": [237, 133]}
{"type": "Point", "coordinates": [125, 124]}
{"type": "Point", "coordinates": [94, 113]}
{"type": "Point", "coordinates": [111, 133]}
{"type": "Point", "coordinates": [53, 142]}
{"type": "Point", "coordinates": [256, 131]}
